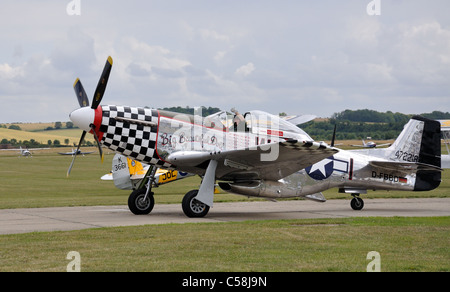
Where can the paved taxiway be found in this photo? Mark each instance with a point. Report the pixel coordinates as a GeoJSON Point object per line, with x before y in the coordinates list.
{"type": "Point", "coordinates": [75, 218]}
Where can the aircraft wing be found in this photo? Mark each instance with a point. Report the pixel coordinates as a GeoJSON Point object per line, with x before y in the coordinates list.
{"type": "Point", "coordinates": [73, 153]}
{"type": "Point", "coordinates": [18, 149]}
{"type": "Point", "coordinates": [271, 161]}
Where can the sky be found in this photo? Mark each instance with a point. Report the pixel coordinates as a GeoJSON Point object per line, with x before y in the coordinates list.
{"type": "Point", "coordinates": [292, 56]}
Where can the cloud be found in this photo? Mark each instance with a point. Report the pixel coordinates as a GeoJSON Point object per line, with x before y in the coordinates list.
{"type": "Point", "coordinates": [75, 52]}
{"type": "Point", "coordinates": [310, 57]}
{"type": "Point", "coordinates": [208, 34]}
{"type": "Point", "coordinates": [138, 70]}
{"type": "Point", "coordinates": [245, 70]}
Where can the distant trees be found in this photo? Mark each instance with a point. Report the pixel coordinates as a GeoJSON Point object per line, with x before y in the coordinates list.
{"type": "Point", "coordinates": [371, 116]}
{"type": "Point", "coordinates": [206, 111]}
{"type": "Point", "coordinates": [59, 125]}
{"type": "Point", "coordinates": [15, 127]}
{"type": "Point", "coordinates": [359, 124]}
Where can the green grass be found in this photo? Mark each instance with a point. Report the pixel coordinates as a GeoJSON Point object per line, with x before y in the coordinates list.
{"type": "Point", "coordinates": [404, 244]}
{"type": "Point", "coordinates": [41, 181]}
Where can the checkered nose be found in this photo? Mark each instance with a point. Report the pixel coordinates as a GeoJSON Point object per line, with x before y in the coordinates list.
{"type": "Point", "coordinates": [83, 118]}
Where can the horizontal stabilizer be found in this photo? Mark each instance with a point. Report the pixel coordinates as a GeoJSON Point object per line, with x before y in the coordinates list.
{"type": "Point", "coordinates": [404, 166]}
{"type": "Point", "coordinates": [297, 120]}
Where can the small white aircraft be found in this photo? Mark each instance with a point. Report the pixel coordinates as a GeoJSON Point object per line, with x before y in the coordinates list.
{"type": "Point", "coordinates": [25, 152]}
{"type": "Point", "coordinates": [371, 144]}
{"type": "Point", "coordinates": [255, 154]}
{"type": "Point", "coordinates": [75, 152]}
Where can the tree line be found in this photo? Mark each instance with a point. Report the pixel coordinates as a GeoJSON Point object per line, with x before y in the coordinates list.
{"type": "Point", "coordinates": [360, 124]}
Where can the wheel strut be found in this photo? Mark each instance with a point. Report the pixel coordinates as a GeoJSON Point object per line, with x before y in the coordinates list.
{"type": "Point", "coordinates": [150, 178]}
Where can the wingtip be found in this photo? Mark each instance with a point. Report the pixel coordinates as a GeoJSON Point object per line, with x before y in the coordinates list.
{"type": "Point", "coordinates": [110, 60]}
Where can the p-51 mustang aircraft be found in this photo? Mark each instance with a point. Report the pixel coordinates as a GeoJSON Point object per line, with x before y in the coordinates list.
{"type": "Point", "coordinates": [255, 154]}
{"type": "Point", "coordinates": [129, 174]}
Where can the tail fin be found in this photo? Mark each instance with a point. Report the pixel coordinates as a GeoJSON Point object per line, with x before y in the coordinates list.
{"type": "Point", "coordinates": [135, 167]}
{"type": "Point", "coordinates": [420, 142]}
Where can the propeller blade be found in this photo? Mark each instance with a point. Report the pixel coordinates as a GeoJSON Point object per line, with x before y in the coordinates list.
{"type": "Point", "coordinates": [81, 94]}
{"type": "Point", "coordinates": [75, 155]}
{"type": "Point", "coordinates": [334, 136]}
{"type": "Point", "coordinates": [98, 142]}
{"type": "Point", "coordinates": [101, 86]}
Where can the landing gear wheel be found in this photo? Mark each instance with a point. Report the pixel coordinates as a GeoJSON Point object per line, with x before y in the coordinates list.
{"type": "Point", "coordinates": [192, 207]}
{"type": "Point", "coordinates": [138, 204]}
{"type": "Point", "coordinates": [357, 203]}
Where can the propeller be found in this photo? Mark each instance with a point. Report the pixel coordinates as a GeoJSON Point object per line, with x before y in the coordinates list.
{"type": "Point", "coordinates": [101, 86]}
{"type": "Point", "coordinates": [334, 136]}
{"type": "Point", "coordinates": [83, 100]}
{"type": "Point", "coordinates": [81, 94]}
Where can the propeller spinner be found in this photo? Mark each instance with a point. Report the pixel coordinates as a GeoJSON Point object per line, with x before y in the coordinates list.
{"type": "Point", "coordinates": [85, 115]}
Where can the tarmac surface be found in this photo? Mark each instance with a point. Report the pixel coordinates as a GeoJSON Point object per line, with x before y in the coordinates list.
{"type": "Point", "coordinates": [14, 221]}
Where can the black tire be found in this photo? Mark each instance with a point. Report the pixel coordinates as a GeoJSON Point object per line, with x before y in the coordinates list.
{"type": "Point", "coordinates": [136, 202]}
{"type": "Point", "coordinates": [357, 204]}
{"type": "Point", "coordinates": [192, 207]}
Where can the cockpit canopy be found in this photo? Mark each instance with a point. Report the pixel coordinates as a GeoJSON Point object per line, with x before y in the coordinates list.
{"type": "Point", "coordinates": [257, 122]}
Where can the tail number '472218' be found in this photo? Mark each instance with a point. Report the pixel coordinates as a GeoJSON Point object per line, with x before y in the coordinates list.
{"type": "Point", "coordinates": [406, 156]}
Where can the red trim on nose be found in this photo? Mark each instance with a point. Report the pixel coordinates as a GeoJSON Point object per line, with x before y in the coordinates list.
{"type": "Point", "coordinates": [98, 122]}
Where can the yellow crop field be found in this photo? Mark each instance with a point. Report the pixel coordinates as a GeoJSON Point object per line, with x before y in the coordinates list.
{"type": "Point", "coordinates": [42, 137]}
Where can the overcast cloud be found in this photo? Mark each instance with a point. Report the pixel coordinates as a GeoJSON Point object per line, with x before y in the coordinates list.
{"type": "Point", "coordinates": [292, 56]}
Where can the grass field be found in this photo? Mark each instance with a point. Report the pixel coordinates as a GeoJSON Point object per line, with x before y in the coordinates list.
{"type": "Point", "coordinates": [404, 244]}
{"type": "Point", "coordinates": [41, 181]}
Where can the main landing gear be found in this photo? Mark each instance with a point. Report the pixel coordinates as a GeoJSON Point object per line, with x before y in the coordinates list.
{"type": "Point", "coordinates": [192, 207]}
{"type": "Point", "coordinates": [141, 201]}
{"type": "Point", "coordinates": [356, 203]}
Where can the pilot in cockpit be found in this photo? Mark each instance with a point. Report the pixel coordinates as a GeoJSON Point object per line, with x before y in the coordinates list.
{"type": "Point", "coordinates": [238, 120]}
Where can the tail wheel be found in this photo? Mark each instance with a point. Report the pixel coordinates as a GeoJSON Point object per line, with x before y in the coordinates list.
{"type": "Point", "coordinates": [357, 203]}
{"type": "Point", "coordinates": [139, 204]}
{"type": "Point", "coordinates": [192, 207]}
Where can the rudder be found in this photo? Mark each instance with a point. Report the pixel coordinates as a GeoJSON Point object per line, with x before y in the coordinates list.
{"type": "Point", "coordinates": [430, 153]}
